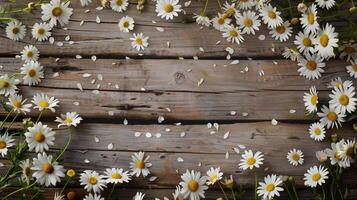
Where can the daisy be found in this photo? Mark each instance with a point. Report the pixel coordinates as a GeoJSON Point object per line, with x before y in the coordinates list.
{"type": "Point", "coordinates": [348, 147]}
{"type": "Point", "coordinates": [343, 99]}
{"type": "Point", "coordinates": [270, 187]}
{"type": "Point", "coordinates": [325, 3]}
{"type": "Point", "coordinates": [248, 22]}
{"type": "Point", "coordinates": [139, 42]}
{"type": "Point", "coordinates": [92, 181]}
{"type": "Point", "coordinates": [214, 175]}
{"type": "Point", "coordinates": [303, 40]}
{"type": "Point", "coordinates": [202, 20]}
{"type": "Point", "coordinates": [326, 41]}
{"type": "Point", "coordinates": [43, 102]}
{"type": "Point", "coordinates": [321, 156]}
{"type": "Point", "coordinates": [251, 160]}
{"type": "Point", "coordinates": [336, 155]}
{"type": "Point", "coordinates": [309, 20]}
{"type": "Point", "coordinates": [126, 24]}
{"type": "Point", "coordinates": [85, 2]}
{"type": "Point", "coordinates": [352, 69]}
{"type": "Point", "coordinates": [178, 193]}
{"type": "Point", "coordinates": [330, 117]}
{"type": "Point", "coordinates": [311, 67]}
{"type": "Point", "coordinates": [6, 142]}
{"type": "Point", "coordinates": [139, 196]}
{"type": "Point", "coordinates": [349, 50]}
{"type": "Point", "coordinates": [39, 137]}
{"type": "Point", "coordinates": [46, 171]}
{"type": "Point", "coordinates": [315, 176]}
{"type": "Point", "coordinates": [30, 53]}
{"type": "Point", "coordinates": [26, 175]}
{"type": "Point", "coordinates": [41, 31]}
{"type": "Point", "coordinates": [15, 30]}
{"type": "Point", "coordinates": [91, 196]}
{"type": "Point", "coordinates": [291, 53]}
{"type": "Point", "coordinates": [317, 131]}
{"type": "Point", "coordinates": [33, 72]}
{"type": "Point", "coordinates": [229, 9]}
{"type": "Point", "coordinates": [8, 85]}
{"type": "Point", "coordinates": [221, 21]}
{"type": "Point", "coordinates": [232, 34]}
{"type": "Point", "coordinates": [18, 105]}
{"type": "Point", "coordinates": [69, 119]}
{"type": "Point", "coordinates": [311, 100]}
{"type": "Point", "coordinates": [270, 16]}
{"type": "Point", "coordinates": [246, 4]}
{"type": "Point", "coordinates": [295, 157]}
{"type": "Point", "coordinates": [282, 32]}
{"type": "Point", "coordinates": [56, 11]}
{"type": "Point", "coordinates": [337, 82]}
{"type": "Point", "coordinates": [115, 175]}
{"type": "Point", "coordinates": [140, 164]}
{"type": "Point", "coordinates": [193, 185]}
{"type": "Point", "coordinates": [119, 5]}
{"type": "Point", "coordinates": [167, 9]}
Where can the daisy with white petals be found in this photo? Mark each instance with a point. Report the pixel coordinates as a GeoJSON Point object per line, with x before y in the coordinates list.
{"type": "Point", "coordinates": [6, 142]}
{"type": "Point", "coordinates": [232, 34]}
{"type": "Point", "coordinates": [315, 176]}
{"type": "Point", "coordinates": [311, 67]}
{"type": "Point", "coordinates": [41, 31]}
{"type": "Point", "coordinates": [343, 99]}
{"type": "Point", "coordinates": [327, 4]}
{"type": "Point", "coordinates": [94, 196]}
{"type": "Point", "coordinates": [167, 9]}
{"type": "Point", "coordinates": [270, 188]}
{"type": "Point", "coordinates": [119, 5]}
{"type": "Point", "coordinates": [30, 53]}
{"type": "Point", "coordinates": [337, 156]}
{"type": "Point", "coordinates": [330, 117]}
{"type": "Point", "coordinates": [248, 22]}
{"type": "Point", "coordinates": [46, 172]}
{"type": "Point", "coordinates": [126, 24]}
{"type": "Point", "coordinates": [69, 119]}
{"type": "Point", "coordinates": [115, 175]}
{"type": "Point", "coordinates": [311, 100]}
{"type": "Point", "coordinates": [33, 72]}
{"type": "Point", "coordinates": [295, 157]}
{"type": "Point", "coordinates": [246, 4]}
{"type": "Point", "coordinates": [348, 51]}
{"type": "Point", "coordinates": [202, 20]}
{"type": "Point", "coordinates": [15, 30]}
{"type": "Point", "coordinates": [229, 9]}
{"type": "Point", "coordinates": [56, 11]}
{"type": "Point", "coordinates": [139, 42]}
{"type": "Point", "coordinates": [271, 16]}
{"type": "Point", "coordinates": [18, 105]}
{"type": "Point", "coordinates": [221, 21]}
{"type": "Point", "coordinates": [304, 40]}
{"type": "Point", "coordinates": [193, 185]}
{"type": "Point", "coordinates": [214, 175]}
{"type": "Point", "coordinates": [352, 69]}
{"type": "Point", "coordinates": [92, 181]}
{"type": "Point", "coordinates": [326, 41]}
{"type": "Point", "coordinates": [8, 85]}
{"type": "Point", "coordinates": [309, 20]}
{"type": "Point", "coordinates": [317, 131]}
{"type": "Point", "coordinates": [26, 175]}
{"type": "Point", "coordinates": [178, 193]}
{"type": "Point", "coordinates": [140, 164]}
{"type": "Point", "coordinates": [251, 160]}
{"type": "Point", "coordinates": [291, 53]}
{"type": "Point", "coordinates": [39, 137]}
{"type": "Point", "coordinates": [44, 102]}
{"type": "Point", "coordinates": [282, 32]}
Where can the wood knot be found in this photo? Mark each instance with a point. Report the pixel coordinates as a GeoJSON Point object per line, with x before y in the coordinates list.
{"type": "Point", "coordinates": [179, 77]}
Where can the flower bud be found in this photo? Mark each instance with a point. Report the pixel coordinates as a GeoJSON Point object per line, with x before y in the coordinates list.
{"type": "Point", "coordinates": [353, 9]}
{"type": "Point", "coordinates": [105, 3]}
{"type": "Point", "coordinates": [229, 183]}
{"type": "Point", "coordinates": [302, 7]}
{"type": "Point", "coordinates": [294, 21]}
{"type": "Point", "coordinates": [71, 195]}
{"type": "Point", "coordinates": [334, 138]}
{"type": "Point", "coordinates": [27, 122]}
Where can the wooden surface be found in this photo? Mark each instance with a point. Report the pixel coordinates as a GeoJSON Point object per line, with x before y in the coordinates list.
{"type": "Point", "coordinates": [157, 84]}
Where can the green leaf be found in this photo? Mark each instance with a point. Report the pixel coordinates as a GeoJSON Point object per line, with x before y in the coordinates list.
{"type": "Point", "coordinates": [5, 106]}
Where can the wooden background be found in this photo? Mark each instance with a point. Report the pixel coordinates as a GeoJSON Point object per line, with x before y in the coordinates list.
{"type": "Point", "coordinates": [158, 83]}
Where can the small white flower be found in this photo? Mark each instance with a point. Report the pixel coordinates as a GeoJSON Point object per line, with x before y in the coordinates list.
{"type": "Point", "coordinates": [167, 9]}
{"type": "Point", "coordinates": [250, 160]}
{"type": "Point", "coordinates": [304, 40]}
{"type": "Point", "coordinates": [282, 32]}
{"type": "Point", "coordinates": [311, 100]}
{"type": "Point", "coordinates": [326, 41]}
{"type": "Point", "coordinates": [311, 67]}
{"type": "Point", "coordinates": [321, 156]}
{"type": "Point", "coordinates": [248, 22]}
{"type": "Point", "coordinates": [325, 3]}
{"type": "Point", "coordinates": [337, 155]}
{"type": "Point", "coordinates": [343, 99]}
{"type": "Point", "coordinates": [119, 5]}
{"type": "Point", "coordinates": [43, 102]}
{"type": "Point", "coordinates": [202, 20]}
{"type": "Point", "coordinates": [317, 131]}
{"type": "Point", "coordinates": [221, 21]}
{"type": "Point", "coordinates": [8, 85]}
{"type": "Point", "coordinates": [15, 30]}
{"type": "Point", "coordinates": [309, 20]}
{"type": "Point", "coordinates": [214, 175]}
{"type": "Point", "coordinates": [18, 105]}
{"type": "Point", "coordinates": [330, 117]}
{"type": "Point", "coordinates": [295, 157]}
{"type": "Point", "coordinates": [271, 16]}
{"type": "Point", "coordinates": [315, 176]}
{"type": "Point", "coordinates": [55, 11]}
{"type": "Point", "coordinates": [178, 193]}
{"type": "Point", "coordinates": [352, 69]}
{"type": "Point", "coordinates": [349, 50]}
{"type": "Point", "coordinates": [270, 188]}
{"type": "Point", "coordinates": [115, 175]}
{"type": "Point", "coordinates": [291, 53]}
{"type": "Point", "coordinates": [41, 31]}
{"type": "Point", "coordinates": [139, 42]}
{"type": "Point", "coordinates": [232, 34]}
{"type": "Point", "coordinates": [6, 142]}
{"type": "Point", "coordinates": [26, 175]}
{"type": "Point", "coordinates": [30, 53]}
{"type": "Point", "coordinates": [126, 24]}
{"type": "Point", "coordinates": [94, 196]}
{"type": "Point", "coordinates": [139, 196]}
{"type": "Point", "coordinates": [193, 185]}
{"type": "Point", "coordinates": [140, 164]}
{"type": "Point", "coordinates": [39, 137]}
{"type": "Point", "coordinates": [33, 72]}
{"type": "Point", "coordinates": [92, 181]}
{"type": "Point", "coordinates": [69, 119]}
{"type": "Point", "coordinates": [46, 171]}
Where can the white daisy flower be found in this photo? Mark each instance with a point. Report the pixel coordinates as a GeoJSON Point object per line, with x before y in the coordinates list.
{"type": "Point", "coordinates": [139, 42]}
{"type": "Point", "coordinates": [56, 11]}
{"type": "Point", "coordinates": [39, 137]}
{"type": "Point", "coordinates": [326, 41]}
{"type": "Point", "coordinates": [8, 85]}
{"type": "Point", "coordinates": [352, 69]}
{"type": "Point", "coordinates": [119, 5]}
{"type": "Point", "coordinates": [282, 32]}
{"type": "Point", "coordinates": [139, 196]}
{"type": "Point", "coordinates": [126, 24]}
{"type": "Point", "coordinates": [202, 20]}
{"type": "Point", "coordinates": [317, 131]}
{"type": "Point", "coordinates": [43, 102]}
{"type": "Point", "coordinates": [337, 82]}
{"type": "Point", "coordinates": [246, 4]}
{"type": "Point", "coordinates": [337, 156]}
{"type": "Point", "coordinates": [248, 22]}
{"type": "Point", "coordinates": [330, 117]}
{"type": "Point", "coordinates": [221, 21]}
{"type": "Point", "coordinates": [69, 119]}
{"type": "Point", "coordinates": [316, 176]}
{"type": "Point", "coordinates": [94, 196]}
{"type": "Point", "coordinates": [311, 100]}
{"type": "Point", "coordinates": [311, 67]}
{"type": "Point", "coordinates": [46, 172]}
{"type": "Point", "coordinates": [115, 175]}
{"type": "Point", "coordinates": [18, 105]}
{"type": "Point", "coordinates": [6, 142]}
{"type": "Point", "coordinates": [33, 72]}
{"type": "Point", "coordinates": [229, 9]}
{"type": "Point", "coordinates": [140, 164]}
{"type": "Point", "coordinates": [325, 3]}
{"type": "Point", "coordinates": [232, 34]}
{"type": "Point", "coordinates": [41, 31]}
{"type": "Point", "coordinates": [350, 51]}
{"type": "Point", "coordinates": [167, 9]}
{"type": "Point", "coordinates": [270, 188]}
{"type": "Point", "coordinates": [309, 20]}
{"type": "Point", "coordinates": [270, 16]}
{"type": "Point", "coordinates": [85, 2]}
{"type": "Point", "coordinates": [291, 53]}
{"type": "Point", "coordinates": [214, 175]}
{"type": "Point", "coordinates": [295, 157]}
{"type": "Point", "coordinates": [348, 147]}
{"type": "Point", "coordinates": [92, 181]}
{"type": "Point", "coordinates": [193, 185]}
{"type": "Point", "coordinates": [26, 175]}
{"type": "Point", "coordinates": [304, 40]}
{"type": "Point", "coordinates": [321, 156]}
{"type": "Point", "coordinates": [15, 30]}
{"type": "Point", "coordinates": [30, 53]}
{"type": "Point", "coordinates": [343, 99]}
{"type": "Point", "coordinates": [178, 193]}
{"type": "Point", "coordinates": [250, 160]}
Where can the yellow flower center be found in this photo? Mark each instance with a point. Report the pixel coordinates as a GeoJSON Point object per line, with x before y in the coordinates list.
{"type": "Point", "coordinates": [271, 14]}
{"type": "Point", "coordinates": [119, 2]}
{"type": "Point", "coordinates": [251, 161]}
{"type": "Point", "coordinates": [213, 178]}
{"type": "Point", "coordinates": [140, 164]}
{"type": "Point", "coordinates": [126, 24]}
{"type": "Point", "coordinates": [92, 180]}
{"type": "Point", "coordinates": [17, 104]}
{"type": "Point", "coordinates": [27, 171]}
{"type": "Point", "coordinates": [354, 67]}
{"type": "Point", "coordinates": [71, 173]}
{"type": "Point", "coordinates": [29, 54]}
{"type": "Point", "coordinates": [68, 120]}
{"type": "Point", "coordinates": [332, 116]}
{"type": "Point", "coordinates": [233, 33]}
{"type": "Point", "coordinates": [311, 18]}
{"type": "Point", "coordinates": [314, 100]}
{"type": "Point", "coordinates": [168, 8]}
{"type": "Point", "coordinates": [349, 50]}
{"type": "Point", "coordinates": [15, 30]}
{"type": "Point", "coordinates": [57, 11]}
{"type": "Point", "coordinates": [2, 144]}
{"type": "Point", "coordinates": [47, 168]}
{"type": "Point", "coordinates": [296, 157]}
{"type": "Point", "coordinates": [248, 22]}
{"type": "Point", "coordinates": [41, 31]}
{"type": "Point", "coordinates": [344, 100]}
{"type": "Point", "coordinates": [316, 177]}
{"type": "Point", "coordinates": [230, 11]}
{"type": "Point", "coordinates": [270, 187]}
{"type": "Point", "coordinates": [193, 185]}
{"type": "Point", "coordinates": [44, 104]}
{"type": "Point", "coordinates": [311, 65]}
{"type": "Point", "coordinates": [324, 40]}
{"type": "Point", "coordinates": [350, 152]}
{"type": "Point", "coordinates": [32, 73]}
{"type": "Point", "coordinates": [337, 156]}
{"type": "Point", "coordinates": [4, 84]}
{"type": "Point", "coordinates": [116, 175]}
{"type": "Point", "coordinates": [221, 20]}
{"type": "Point", "coordinates": [317, 131]}
{"type": "Point", "coordinates": [280, 29]}
{"type": "Point", "coordinates": [39, 137]}
{"type": "Point", "coordinates": [306, 42]}
{"type": "Point", "coordinates": [139, 41]}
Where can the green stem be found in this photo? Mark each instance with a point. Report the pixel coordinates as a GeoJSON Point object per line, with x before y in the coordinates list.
{"type": "Point", "coordinates": [111, 192]}
{"type": "Point", "coordinates": [67, 144]}
{"type": "Point", "coordinates": [19, 190]}
{"type": "Point", "coordinates": [39, 116]}
{"type": "Point", "coordinates": [7, 116]}
{"type": "Point", "coordinates": [204, 10]}
{"type": "Point", "coordinates": [12, 122]}
{"type": "Point", "coordinates": [287, 190]}
{"type": "Point", "coordinates": [233, 194]}
{"type": "Point", "coordinates": [65, 185]}
{"type": "Point", "coordinates": [224, 193]}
